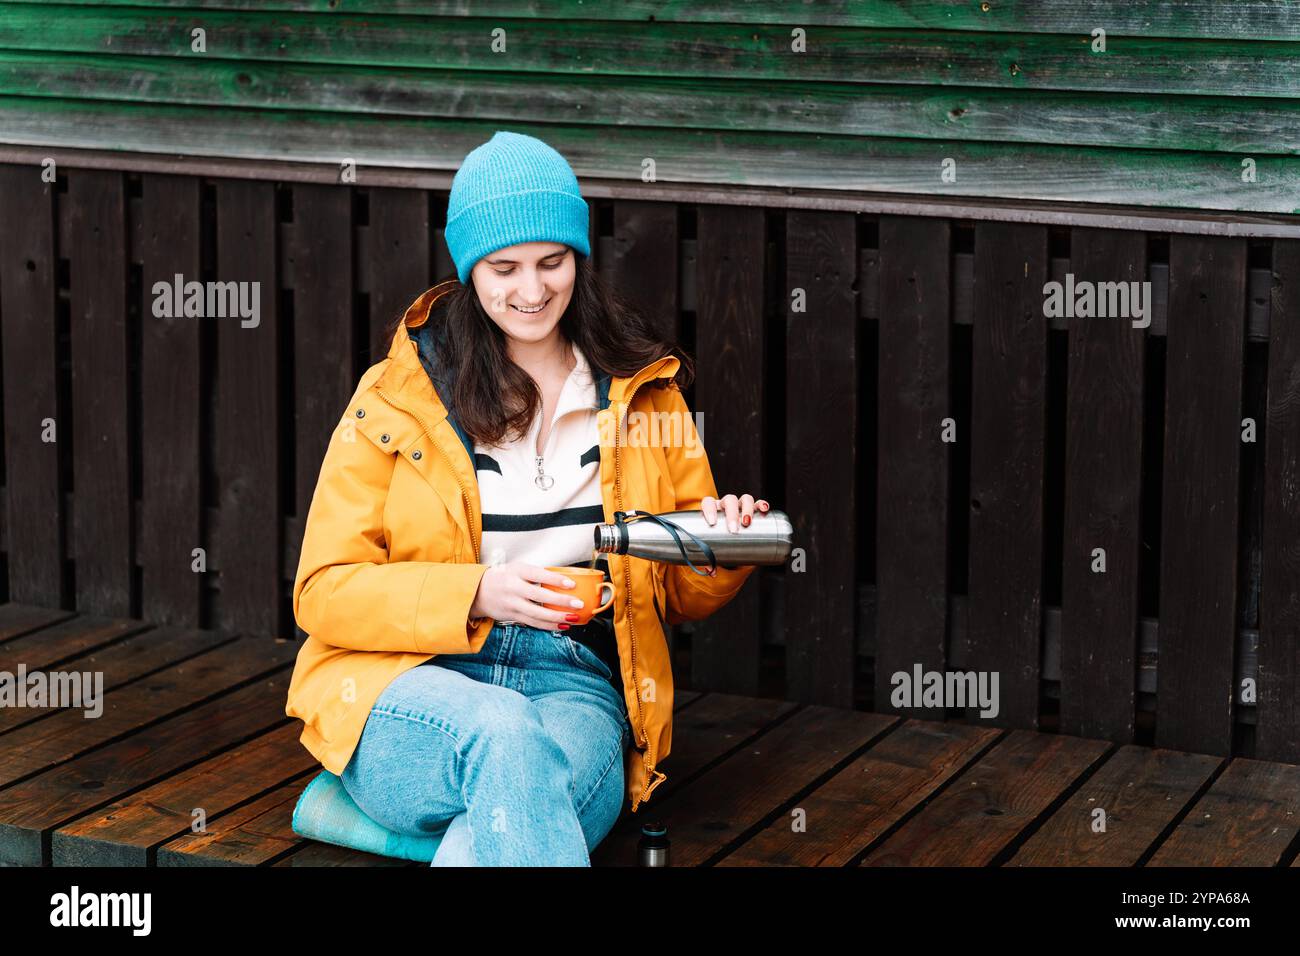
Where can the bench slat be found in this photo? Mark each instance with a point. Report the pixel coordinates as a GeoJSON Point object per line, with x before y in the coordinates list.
{"type": "Point", "coordinates": [30, 810]}
{"type": "Point", "coordinates": [982, 811]}
{"type": "Point", "coordinates": [127, 832]}
{"type": "Point", "coordinates": [855, 807]}
{"type": "Point", "coordinates": [1141, 790]}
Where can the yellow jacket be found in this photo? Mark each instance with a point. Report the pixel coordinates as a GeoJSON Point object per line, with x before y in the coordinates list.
{"type": "Point", "coordinates": [391, 549]}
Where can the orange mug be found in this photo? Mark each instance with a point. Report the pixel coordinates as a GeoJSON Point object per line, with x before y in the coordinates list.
{"type": "Point", "coordinates": [588, 584]}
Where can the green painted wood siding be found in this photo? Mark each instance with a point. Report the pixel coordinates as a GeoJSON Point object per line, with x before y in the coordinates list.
{"type": "Point", "coordinates": [1193, 104]}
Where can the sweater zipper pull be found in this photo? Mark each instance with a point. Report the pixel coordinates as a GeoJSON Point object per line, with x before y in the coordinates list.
{"type": "Point", "coordinates": [543, 480]}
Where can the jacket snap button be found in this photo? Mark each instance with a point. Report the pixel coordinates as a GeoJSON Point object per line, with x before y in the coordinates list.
{"type": "Point", "coordinates": [384, 437]}
{"type": "Point", "coordinates": [361, 413]}
{"type": "Point", "coordinates": [417, 455]}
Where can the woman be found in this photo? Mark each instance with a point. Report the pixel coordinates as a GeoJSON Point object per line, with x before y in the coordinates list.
{"type": "Point", "coordinates": [487, 445]}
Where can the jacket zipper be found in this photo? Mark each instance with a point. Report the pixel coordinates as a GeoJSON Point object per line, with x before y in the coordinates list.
{"type": "Point", "coordinates": [429, 434]}
{"type": "Point", "coordinates": [631, 626]}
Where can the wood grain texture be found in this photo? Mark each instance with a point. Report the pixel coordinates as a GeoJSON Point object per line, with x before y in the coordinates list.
{"type": "Point", "coordinates": [167, 690]}
{"type": "Point", "coordinates": [1200, 505]}
{"type": "Point", "coordinates": [821, 369]}
{"type": "Point", "coordinates": [1253, 19]}
{"type": "Point", "coordinates": [35, 514]}
{"type": "Point", "coordinates": [695, 157]}
{"type": "Point", "coordinates": [31, 809]}
{"type": "Point", "coordinates": [251, 835]}
{"type": "Point", "coordinates": [1008, 435]}
{"type": "Point", "coordinates": [645, 261]}
{"type": "Point", "coordinates": [984, 810]}
{"type": "Point", "coordinates": [247, 436]}
{"type": "Point", "coordinates": [729, 401]}
{"type": "Point", "coordinates": [1250, 816]}
{"type": "Point", "coordinates": [1133, 64]}
{"type": "Point", "coordinates": [1103, 478]}
{"type": "Point", "coordinates": [170, 439]}
{"type": "Point", "coordinates": [912, 481]}
{"type": "Point", "coordinates": [855, 807]}
{"type": "Point", "coordinates": [128, 651]}
{"type": "Point", "coordinates": [393, 259]}
{"type": "Point", "coordinates": [64, 639]}
{"type": "Point", "coordinates": [791, 106]}
{"type": "Point", "coordinates": [130, 831]}
{"type": "Point", "coordinates": [17, 619]}
{"type": "Point", "coordinates": [1277, 729]}
{"type": "Point", "coordinates": [94, 214]}
{"type": "Point", "coordinates": [320, 250]}
{"type": "Point", "coordinates": [1119, 812]}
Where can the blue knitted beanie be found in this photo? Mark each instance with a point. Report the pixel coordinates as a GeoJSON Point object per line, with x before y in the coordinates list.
{"type": "Point", "coordinates": [514, 188]}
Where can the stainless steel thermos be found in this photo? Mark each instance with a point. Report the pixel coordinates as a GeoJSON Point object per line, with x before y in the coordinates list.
{"type": "Point", "coordinates": [686, 537]}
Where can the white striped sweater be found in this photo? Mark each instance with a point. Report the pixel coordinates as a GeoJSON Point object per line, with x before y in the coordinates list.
{"type": "Point", "coordinates": [543, 511]}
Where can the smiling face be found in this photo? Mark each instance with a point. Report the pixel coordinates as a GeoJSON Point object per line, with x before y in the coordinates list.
{"type": "Point", "coordinates": [526, 288]}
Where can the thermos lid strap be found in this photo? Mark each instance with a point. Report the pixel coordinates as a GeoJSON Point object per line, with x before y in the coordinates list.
{"type": "Point", "coordinates": [621, 518]}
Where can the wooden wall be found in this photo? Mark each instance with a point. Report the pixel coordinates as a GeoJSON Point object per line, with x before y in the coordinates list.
{"type": "Point", "coordinates": [1190, 104]}
{"type": "Point", "coordinates": [831, 346]}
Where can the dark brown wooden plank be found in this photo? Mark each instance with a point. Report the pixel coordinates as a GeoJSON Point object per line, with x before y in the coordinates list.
{"type": "Point", "coordinates": [821, 450]}
{"type": "Point", "coordinates": [1248, 817]}
{"type": "Point", "coordinates": [756, 780]}
{"type": "Point", "coordinates": [856, 806]}
{"type": "Point", "coordinates": [169, 404]}
{"type": "Point", "coordinates": [28, 259]}
{"type": "Point", "coordinates": [395, 268]}
{"type": "Point", "coordinates": [65, 640]}
{"type": "Point", "coordinates": [1103, 479]}
{"type": "Point", "coordinates": [30, 810]}
{"type": "Point", "coordinates": [320, 252]}
{"type": "Point", "coordinates": [94, 216]}
{"type": "Point", "coordinates": [17, 619]}
{"type": "Point", "coordinates": [116, 665]}
{"type": "Point", "coordinates": [66, 734]}
{"type": "Point", "coordinates": [912, 503]}
{"type": "Point", "coordinates": [1140, 791]}
{"type": "Point", "coordinates": [129, 831]}
{"type": "Point", "coordinates": [1199, 515]}
{"type": "Point", "coordinates": [252, 835]}
{"type": "Point", "coordinates": [729, 390]}
{"type": "Point", "coordinates": [644, 268]}
{"type": "Point", "coordinates": [1277, 711]}
{"type": "Point", "coordinates": [987, 807]}
{"type": "Point", "coordinates": [246, 423]}
{"type": "Point", "coordinates": [1008, 434]}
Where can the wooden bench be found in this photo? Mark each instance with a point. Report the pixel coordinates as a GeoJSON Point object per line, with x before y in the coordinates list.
{"type": "Point", "coordinates": [193, 722]}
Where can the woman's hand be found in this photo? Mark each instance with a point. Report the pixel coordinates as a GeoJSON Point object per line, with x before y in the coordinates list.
{"type": "Point", "coordinates": [739, 512]}
{"type": "Point", "coordinates": [514, 592]}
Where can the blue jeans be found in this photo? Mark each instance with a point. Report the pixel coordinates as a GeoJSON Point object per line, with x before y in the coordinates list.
{"type": "Point", "coordinates": [514, 754]}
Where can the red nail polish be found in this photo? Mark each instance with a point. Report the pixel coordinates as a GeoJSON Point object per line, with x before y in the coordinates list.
{"type": "Point", "coordinates": [564, 627]}
{"type": "Point", "coordinates": [745, 521]}
{"type": "Point", "coordinates": [570, 617]}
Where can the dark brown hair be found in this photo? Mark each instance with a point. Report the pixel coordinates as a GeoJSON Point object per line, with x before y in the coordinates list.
{"type": "Point", "coordinates": [493, 397]}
